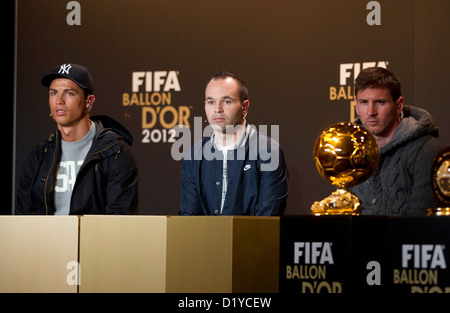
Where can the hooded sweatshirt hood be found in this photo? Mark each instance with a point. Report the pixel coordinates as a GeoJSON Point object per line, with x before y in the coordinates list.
{"type": "Point", "coordinates": [109, 123]}
{"type": "Point", "coordinates": [416, 123]}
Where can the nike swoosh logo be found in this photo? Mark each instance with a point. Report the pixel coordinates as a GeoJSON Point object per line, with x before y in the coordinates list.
{"type": "Point", "coordinates": [247, 167]}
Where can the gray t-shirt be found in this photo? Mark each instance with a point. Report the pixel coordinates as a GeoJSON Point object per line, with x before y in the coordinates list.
{"type": "Point", "coordinates": [72, 157]}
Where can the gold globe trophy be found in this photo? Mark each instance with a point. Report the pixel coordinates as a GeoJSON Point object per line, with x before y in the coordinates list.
{"type": "Point", "coordinates": [440, 183]}
{"type": "Point", "coordinates": [345, 154]}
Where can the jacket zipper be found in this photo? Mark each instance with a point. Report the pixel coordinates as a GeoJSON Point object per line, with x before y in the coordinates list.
{"type": "Point", "coordinates": [48, 174]}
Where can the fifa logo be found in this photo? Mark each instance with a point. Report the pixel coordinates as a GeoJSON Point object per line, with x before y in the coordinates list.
{"type": "Point", "coordinates": [345, 69]}
{"type": "Point", "coordinates": [423, 256]}
{"type": "Point", "coordinates": [313, 252]}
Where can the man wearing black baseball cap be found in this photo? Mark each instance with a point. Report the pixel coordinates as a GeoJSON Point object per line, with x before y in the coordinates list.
{"type": "Point", "coordinates": [86, 166]}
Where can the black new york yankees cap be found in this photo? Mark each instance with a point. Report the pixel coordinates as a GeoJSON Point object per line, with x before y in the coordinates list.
{"type": "Point", "coordinates": [76, 73]}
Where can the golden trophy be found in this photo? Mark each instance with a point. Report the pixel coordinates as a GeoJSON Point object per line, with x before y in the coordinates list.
{"type": "Point", "coordinates": [345, 154]}
{"type": "Point", "coordinates": [440, 183]}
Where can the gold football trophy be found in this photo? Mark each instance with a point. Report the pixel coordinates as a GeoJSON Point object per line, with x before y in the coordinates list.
{"type": "Point", "coordinates": [440, 183]}
{"type": "Point", "coordinates": [345, 154]}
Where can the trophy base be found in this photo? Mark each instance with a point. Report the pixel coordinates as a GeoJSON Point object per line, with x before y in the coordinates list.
{"type": "Point", "coordinates": [439, 212]}
{"type": "Point", "coordinates": [340, 202]}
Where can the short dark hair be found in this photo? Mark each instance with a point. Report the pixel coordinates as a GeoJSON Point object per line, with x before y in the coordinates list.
{"type": "Point", "coordinates": [243, 91]}
{"type": "Point", "coordinates": [378, 77]}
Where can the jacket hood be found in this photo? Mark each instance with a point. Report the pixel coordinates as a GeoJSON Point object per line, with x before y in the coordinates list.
{"type": "Point", "coordinates": [416, 123]}
{"type": "Point", "coordinates": [109, 123]}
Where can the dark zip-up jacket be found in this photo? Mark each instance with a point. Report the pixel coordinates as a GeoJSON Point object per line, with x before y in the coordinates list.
{"type": "Point", "coordinates": [257, 179]}
{"type": "Point", "coordinates": [106, 181]}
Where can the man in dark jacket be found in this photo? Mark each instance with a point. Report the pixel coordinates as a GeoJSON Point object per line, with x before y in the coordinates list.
{"type": "Point", "coordinates": [408, 140]}
{"type": "Point", "coordinates": [236, 170]}
{"type": "Point", "coordinates": [86, 166]}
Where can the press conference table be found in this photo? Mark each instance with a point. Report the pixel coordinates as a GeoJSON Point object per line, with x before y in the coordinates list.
{"type": "Point", "coordinates": [210, 254]}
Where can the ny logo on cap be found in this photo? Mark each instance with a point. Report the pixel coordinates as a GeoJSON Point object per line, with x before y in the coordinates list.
{"type": "Point", "coordinates": [64, 69]}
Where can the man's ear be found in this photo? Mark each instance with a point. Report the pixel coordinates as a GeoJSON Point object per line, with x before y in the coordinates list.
{"type": "Point", "coordinates": [400, 104]}
{"type": "Point", "coordinates": [90, 99]}
{"type": "Point", "coordinates": [245, 106]}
